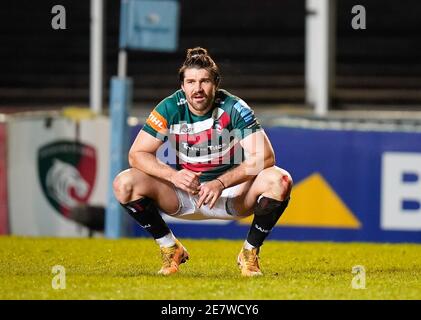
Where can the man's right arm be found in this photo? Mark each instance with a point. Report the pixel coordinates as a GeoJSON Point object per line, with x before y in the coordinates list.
{"type": "Point", "coordinates": [142, 156]}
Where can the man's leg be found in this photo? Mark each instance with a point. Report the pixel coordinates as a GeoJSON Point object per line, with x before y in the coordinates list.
{"type": "Point", "coordinates": [141, 195]}
{"type": "Point", "coordinates": [267, 196]}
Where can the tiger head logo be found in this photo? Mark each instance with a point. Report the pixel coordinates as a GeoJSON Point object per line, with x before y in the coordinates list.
{"type": "Point", "coordinates": [65, 184]}
{"type": "Point", "coordinates": [67, 172]}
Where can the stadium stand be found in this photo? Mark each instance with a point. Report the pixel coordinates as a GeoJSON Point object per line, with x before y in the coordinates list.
{"type": "Point", "coordinates": [259, 45]}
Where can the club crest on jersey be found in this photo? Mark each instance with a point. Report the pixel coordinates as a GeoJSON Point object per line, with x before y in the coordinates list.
{"type": "Point", "coordinates": [184, 128]}
{"type": "Point", "coordinates": [218, 128]}
{"type": "Point", "coordinates": [67, 172]}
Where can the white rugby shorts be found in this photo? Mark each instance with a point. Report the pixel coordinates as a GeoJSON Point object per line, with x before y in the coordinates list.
{"type": "Point", "coordinates": [223, 208]}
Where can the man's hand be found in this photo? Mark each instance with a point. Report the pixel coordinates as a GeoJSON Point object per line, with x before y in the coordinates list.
{"type": "Point", "coordinates": [187, 180]}
{"type": "Point", "coordinates": [209, 193]}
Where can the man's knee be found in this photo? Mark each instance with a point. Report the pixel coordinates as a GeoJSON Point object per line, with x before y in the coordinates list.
{"type": "Point", "coordinates": [277, 179]}
{"type": "Point", "coordinates": [123, 186]}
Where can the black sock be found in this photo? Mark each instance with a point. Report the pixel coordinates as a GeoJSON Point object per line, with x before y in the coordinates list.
{"type": "Point", "coordinates": [266, 213]}
{"type": "Point", "coordinates": [145, 212]}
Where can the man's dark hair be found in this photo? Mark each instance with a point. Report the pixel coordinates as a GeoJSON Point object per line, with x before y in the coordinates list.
{"type": "Point", "coordinates": [200, 59]}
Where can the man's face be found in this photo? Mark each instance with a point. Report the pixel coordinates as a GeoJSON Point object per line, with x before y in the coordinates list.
{"type": "Point", "coordinates": [200, 89]}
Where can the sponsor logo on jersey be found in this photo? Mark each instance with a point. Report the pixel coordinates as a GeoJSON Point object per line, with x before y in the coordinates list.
{"type": "Point", "coordinates": [156, 121]}
{"type": "Point", "coordinates": [181, 102]}
{"type": "Point", "coordinates": [245, 111]}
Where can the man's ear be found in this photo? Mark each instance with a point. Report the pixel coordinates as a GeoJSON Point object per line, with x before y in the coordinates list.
{"type": "Point", "coordinates": [182, 86]}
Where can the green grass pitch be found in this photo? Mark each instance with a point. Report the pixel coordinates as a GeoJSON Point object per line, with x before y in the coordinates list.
{"type": "Point", "coordinates": [126, 269]}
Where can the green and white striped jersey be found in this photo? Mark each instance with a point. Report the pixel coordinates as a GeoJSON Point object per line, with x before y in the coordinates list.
{"type": "Point", "coordinates": [207, 143]}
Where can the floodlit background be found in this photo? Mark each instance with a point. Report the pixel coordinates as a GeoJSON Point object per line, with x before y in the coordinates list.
{"type": "Point", "coordinates": [336, 85]}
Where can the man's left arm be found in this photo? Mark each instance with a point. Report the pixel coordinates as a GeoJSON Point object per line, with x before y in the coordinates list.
{"type": "Point", "coordinates": [259, 155]}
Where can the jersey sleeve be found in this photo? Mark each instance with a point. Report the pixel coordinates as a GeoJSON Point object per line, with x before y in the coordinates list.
{"type": "Point", "coordinates": [243, 120]}
{"type": "Point", "coordinates": [157, 123]}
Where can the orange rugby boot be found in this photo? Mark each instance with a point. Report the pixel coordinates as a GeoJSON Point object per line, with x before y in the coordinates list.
{"type": "Point", "coordinates": [248, 262]}
{"type": "Point", "coordinates": [172, 257]}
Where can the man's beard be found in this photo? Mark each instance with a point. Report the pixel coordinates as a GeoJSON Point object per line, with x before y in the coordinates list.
{"type": "Point", "coordinates": [202, 105]}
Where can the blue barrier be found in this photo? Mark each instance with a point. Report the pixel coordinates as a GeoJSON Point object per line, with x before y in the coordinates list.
{"type": "Point", "coordinates": [120, 105]}
{"type": "Point", "coordinates": [349, 185]}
